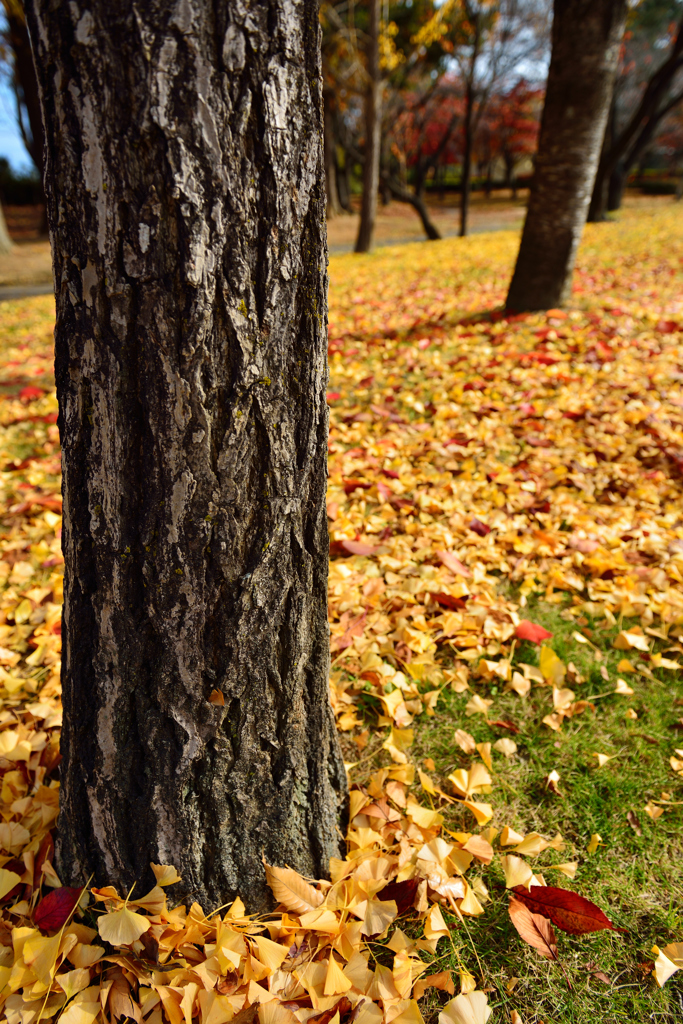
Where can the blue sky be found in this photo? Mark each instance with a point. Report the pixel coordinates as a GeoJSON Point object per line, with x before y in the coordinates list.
{"type": "Point", "coordinates": [11, 144]}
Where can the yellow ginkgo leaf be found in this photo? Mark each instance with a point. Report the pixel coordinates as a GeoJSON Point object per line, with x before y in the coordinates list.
{"type": "Point", "coordinates": [8, 879]}
{"type": "Point", "coordinates": [595, 841]}
{"type": "Point", "coordinates": [669, 960]}
{"type": "Point", "coordinates": [552, 668]}
{"type": "Point", "coordinates": [465, 741]}
{"type": "Point", "coordinates": [291, 890]}
{"type": "Point", "coordinates": [468, 1008]}
{"type": "Point", "coordinates": [485, 754]}
{"type": "Point", "coordinates": [122, 927]}
{"type": "Point", "coordinates": [477, 705]}
{"type": "Point", "coordinates": [165, 874]}
{"type": "Point", "coordinates": [517, 871]}
{"type": "Point", "coordinates": [336, 983]}
{"type": "Point", "coordinates": [271, 954]}
{"type": "Point", "coordinates": [603, 758]}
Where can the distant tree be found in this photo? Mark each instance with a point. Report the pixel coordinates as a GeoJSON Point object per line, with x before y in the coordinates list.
{"type": "Point", "coordinates": [18, 61]}
{"type": "Point", "coordinates": [420, 136]}
{"type": "Point", "coordinates": [185, 181]}
{"type": "Point", "coordinates": [490, 41]}
{"type": "Point", "coordinates": [642, 98]}
{"type": "Point", "coordinates": [372, 124]}
{"type": "Point", "coordinates": [509, 129]}
{"type": "Point", "coordinates": [586, 37]}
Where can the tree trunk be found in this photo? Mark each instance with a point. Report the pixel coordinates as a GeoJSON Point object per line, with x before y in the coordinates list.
{"type": "Point", "coordinates": [344, 185]}
{"type": "Point", "coordinates": [333, 205]}
{"type": "Point", "coordinates": [373, 128]}
{"type": "Point", "coordinates": [615, 188]}
{"type": "Point", "coordinates": [597, 208]}
{"type": "Point", "coordinates": [466, 181]}
{"type": "Point", "coordinates": [6, 243]}
{"type": "Point", "coordinates": [626, 146]}
{"type": "Point", "coordinates": [186, 198]}
{"type": "Point", "coordinates": [404, 195]}
{"type": "Point", "coordinates": [586, 38]}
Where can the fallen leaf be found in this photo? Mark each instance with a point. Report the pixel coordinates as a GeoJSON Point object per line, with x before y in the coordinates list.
{"type": "Point", "coordinates": [531, 631]}
{"type": "Point", "coordinates": [632, 819]}
{"type": "Point", "coordinates": [567, 910]}
{"type": "Point", "coordinates": [122, 927]}
{"type": "Point", "coordinates": [669, 960]}
{"type": "Point", "coordinates": [291, 890]}
{"type": "Point", "coordinates": [534, 929]}
{"type": "Point", "coordinates": [469, 1008]}
{"type": "Point", "coordinates": [55, 908]}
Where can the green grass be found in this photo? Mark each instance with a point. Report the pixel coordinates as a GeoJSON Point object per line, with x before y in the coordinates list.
{"type": "Point", "coordinates": [636, 879]}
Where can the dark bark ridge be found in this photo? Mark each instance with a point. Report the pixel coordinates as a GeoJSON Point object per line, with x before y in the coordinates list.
{"type": "Point", "coordinates": [585, 48]}
{"type": "Point", "coordinates": [186, 201]}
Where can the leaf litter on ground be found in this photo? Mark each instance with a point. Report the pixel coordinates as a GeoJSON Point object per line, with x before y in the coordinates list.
{"type": "Point", "coordinates": [476, 461]}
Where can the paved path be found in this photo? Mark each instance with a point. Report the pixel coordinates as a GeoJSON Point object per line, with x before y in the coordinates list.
{"type": "Point", "coordinates": [24, 291]}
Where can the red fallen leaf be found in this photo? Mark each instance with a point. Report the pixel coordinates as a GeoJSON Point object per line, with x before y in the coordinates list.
{"type": "Point", "coordinates": [352, 485]}
{"type": "Point", "coordinates": [54, 909]}
{"type": "Point", "coordinates": [403, 893]}
{"type": "Point", "coordinates": [505, 723]}
{"type": "Point", "coordinates": [332, 396]}
{"type": "Point", "coordinates": [446, 601]}
{"type": "Point", "coordinates": [391, 473]}
{"type": "Point", "coordinates": [357, 547]}
{"type": "Point", "coordinates": [566, 909]}
{"type": "Point", "coordinates": [30, 392]}
{"type": "Point", "coordinates": [478, 527]}
{"type": "Point", "coordinates": [453, 563]}
{"type": "Point", "coordinates": [531, 631]}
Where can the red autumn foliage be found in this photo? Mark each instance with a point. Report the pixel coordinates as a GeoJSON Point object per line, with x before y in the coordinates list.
{"type": "Point", "coordinates": [566, 909]}
{"type": "Point", "coordinates": [54, 909]}
{"type": "Point", "coordinates": [531, 631]}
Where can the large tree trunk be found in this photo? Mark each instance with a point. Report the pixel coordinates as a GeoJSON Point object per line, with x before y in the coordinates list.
{"type": "Point", "coordinates": [186, 195]}
{"type": "Point", "coordinates": [586, 38]}
{"type": "Point", "coordinates": [373, 129]}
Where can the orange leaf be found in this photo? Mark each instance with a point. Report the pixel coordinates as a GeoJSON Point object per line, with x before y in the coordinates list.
{"type": "Point", "coordinates": [534, 929]}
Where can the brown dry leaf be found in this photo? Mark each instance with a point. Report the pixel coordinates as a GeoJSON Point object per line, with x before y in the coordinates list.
{"type": "Point", "coordinates": [632, 819]}
{"type": "Point", "coordinates": [534, 929]}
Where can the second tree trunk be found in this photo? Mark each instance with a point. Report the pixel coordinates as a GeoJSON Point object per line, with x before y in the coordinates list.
{"type": "Point", "coordinates": [586, 38]}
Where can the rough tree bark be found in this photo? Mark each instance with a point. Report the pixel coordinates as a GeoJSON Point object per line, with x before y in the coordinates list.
{"type": "Point", "coordinates": [373, 129]}
{"type": "Point", "coordinates": [185, 181]}
{"type": "Point", "coordinates": [585, 47]}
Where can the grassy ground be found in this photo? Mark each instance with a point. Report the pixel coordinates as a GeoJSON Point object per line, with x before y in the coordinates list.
{"type": "Point", "coordinates": [635, 875]}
